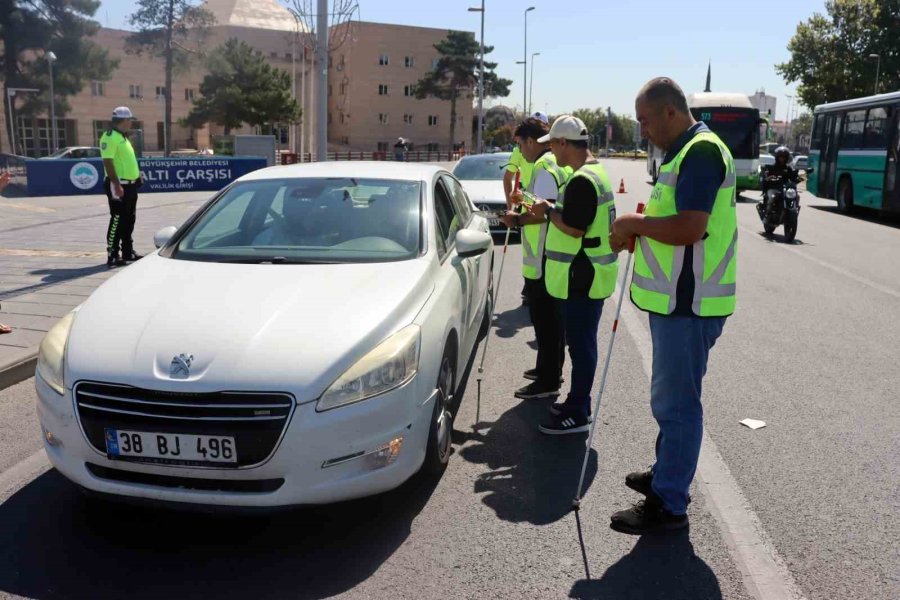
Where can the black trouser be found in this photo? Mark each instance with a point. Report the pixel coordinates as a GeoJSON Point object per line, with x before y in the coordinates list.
{"type": "Point", "coordinates": [122, 214]}
{"type": "Point", "coordinates": [546, 315]}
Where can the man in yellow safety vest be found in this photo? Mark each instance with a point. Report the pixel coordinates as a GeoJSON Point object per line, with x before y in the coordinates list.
{"type": "Point", "coordinates": [684, 277]}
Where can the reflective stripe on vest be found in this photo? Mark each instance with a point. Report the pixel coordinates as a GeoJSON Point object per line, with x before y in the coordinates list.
{"type": "Point", "coordinates": [562, 249]}
{"type": "Point", "coordinates": [534, 236]}
{"type": "Point", "coordinates": [658, 266]}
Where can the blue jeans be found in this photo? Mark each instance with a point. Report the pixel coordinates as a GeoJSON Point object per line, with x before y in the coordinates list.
{"type": "Point", "coordinates": [581, 317]}
{"type": "Point", "coordinates": [681, 348]}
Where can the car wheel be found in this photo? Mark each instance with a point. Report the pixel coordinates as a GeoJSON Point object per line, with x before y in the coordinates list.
{"type": "Point", "coordinates": [439, 446]}
{"type": "Point", "coordinates": [845, 196]}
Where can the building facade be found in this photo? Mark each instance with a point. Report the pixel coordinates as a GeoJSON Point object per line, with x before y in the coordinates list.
{"type": "Point", "coordinates": [370, 77]}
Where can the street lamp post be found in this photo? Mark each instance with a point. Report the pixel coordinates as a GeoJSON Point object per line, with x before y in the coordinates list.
{"type": "Point", "coordinates": [54, 137]}
{"type": "Point", "coordinates": [11, 93]}
{"type": "Point", "coordinates": [877, 69]}
{"type": "Point", "coordinates": [787, 124]}
{"type": "Point", "coordinates": [480, 144]}
{"type": "Point", "coordinates": [531, 81]}
{"type": "Point", "coordinates": [525, 63]}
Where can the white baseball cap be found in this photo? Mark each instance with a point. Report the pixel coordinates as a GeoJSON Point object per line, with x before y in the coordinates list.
{"type": "Point", "coordinates": [122, 112]}
{"type": "Point", "coordinates": [566, 127]}
{"type": "Point", "coordinates": [542, 117]}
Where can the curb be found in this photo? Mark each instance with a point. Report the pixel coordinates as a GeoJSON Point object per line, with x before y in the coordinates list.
{"type": "Point", "coordinates": [18, 369]}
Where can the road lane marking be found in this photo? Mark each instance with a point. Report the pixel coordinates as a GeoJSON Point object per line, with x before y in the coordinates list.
{"type": "Point", "coordinates": [765, 575]}
{"type": "Point", "coordinates": [840, 271]}
{"type": "Point", "coordinates": [21, 473]}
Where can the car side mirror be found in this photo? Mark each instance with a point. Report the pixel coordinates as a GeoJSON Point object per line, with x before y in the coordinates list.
{"type": "Point", "coordinates": [161, 237]}
{"type": "Point", "coordinates": [470, 243]}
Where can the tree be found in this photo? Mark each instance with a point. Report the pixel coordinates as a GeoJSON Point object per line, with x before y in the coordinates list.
{"type": "Point", "coordinates": [29, 29]}
{"type": "Point", "coordinates": [241, 87]}
{"type": "Point", "coordinates": [801, 126]}
{"type": "Point", "coordinates": [456, 73]}
{"type": "Point", "coordinates": [165, 28]}
{"type": "Point", "coordinates": [830, 55]}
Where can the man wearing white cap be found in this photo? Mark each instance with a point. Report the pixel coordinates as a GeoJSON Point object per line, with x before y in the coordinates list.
{"type": "Point", "coordinates": [581, 268]}
{"type": "Point", "coordinates": [123, 177]}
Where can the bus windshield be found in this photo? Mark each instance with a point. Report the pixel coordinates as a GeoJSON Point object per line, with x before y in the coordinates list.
{"type": "Point", "coordinates": [738, 128]}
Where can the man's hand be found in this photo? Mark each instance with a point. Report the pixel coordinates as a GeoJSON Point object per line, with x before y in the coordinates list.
{"type": "Point", "coordinates": [617, 242]}
{"type": "Point", "coordinates": [516, 197]}
{"type": "Point", "coordinates": [626, 226]}
{"type": "Point", "coordinates": [510, 219]}
{"type": "Point", "coordinates": [539, 208]}
{"type": "Point", "coordinates": [118, 191]}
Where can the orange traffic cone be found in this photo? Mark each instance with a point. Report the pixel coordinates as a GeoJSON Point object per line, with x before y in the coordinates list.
{"type": "Point", "coordinates": [622, 187]}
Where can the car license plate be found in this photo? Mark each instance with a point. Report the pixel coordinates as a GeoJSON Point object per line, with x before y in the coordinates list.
{"type": "Point", "coordinates": [170, 448]}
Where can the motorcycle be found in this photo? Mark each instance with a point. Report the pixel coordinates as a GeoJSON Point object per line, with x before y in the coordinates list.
{"type": "Point", "coordinates": [780, 206]}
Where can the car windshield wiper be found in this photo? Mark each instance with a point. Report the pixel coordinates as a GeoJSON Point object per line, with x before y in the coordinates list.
{"type": "Point", "coordinates": [279, 260]}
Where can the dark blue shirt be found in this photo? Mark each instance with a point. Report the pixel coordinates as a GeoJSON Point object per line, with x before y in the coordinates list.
{"type": "Point", "coordinates": [702, 173]}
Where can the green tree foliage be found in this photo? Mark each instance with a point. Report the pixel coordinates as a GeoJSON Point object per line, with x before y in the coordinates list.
{"type": "Point", "coordinates": [830, 54]}
{"type": "Point", "coordinates": [168, 29]}
{"type": "Point", "coordinates": [241, 87]}
{"type": "Point", "coordinates": [455, 75]}
{"type": "Point", "coordinates": [28, 29]}
{"type": "Point", "coordinates": [595, 120]}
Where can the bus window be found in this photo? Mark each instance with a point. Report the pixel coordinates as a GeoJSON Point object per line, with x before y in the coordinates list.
{"type": "Point", "coordinates": [816, 141]}
{"type": "Point", "coordinates": [877, 129]}
{"type": "Point", "coordinates": [854, 126]}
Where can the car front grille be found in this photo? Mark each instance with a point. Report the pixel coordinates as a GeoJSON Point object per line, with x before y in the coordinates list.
{"type": "Point", "coordinates": [257, 420]}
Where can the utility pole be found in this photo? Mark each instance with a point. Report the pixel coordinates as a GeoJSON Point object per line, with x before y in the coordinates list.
{"type": "Point", "coordinates": [608, 127]}
{"type": "Point", "coordinates": [322, 56]}
{"type": "Point", "coordinates": [54, 134]}
{"type": "Point", "coordinates": [531, 84]}
{"type": "Point", "coordinates": [480, 143]}
{"type": "Point", "coordinates": [525, 65]}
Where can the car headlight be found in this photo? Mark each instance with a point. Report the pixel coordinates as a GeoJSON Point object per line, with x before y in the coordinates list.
{"type": "Point", "coordinates": [790, 194]}
{"type": "Point", "coordinates": [51, 358]}
{"type": "Point", "coordinates": [391, 364]}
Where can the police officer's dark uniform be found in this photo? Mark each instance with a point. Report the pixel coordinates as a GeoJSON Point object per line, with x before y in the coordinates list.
{"type": "Point", "coordinates": [121, 166]}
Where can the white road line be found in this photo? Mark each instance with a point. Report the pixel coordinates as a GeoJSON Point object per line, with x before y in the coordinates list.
{"type": "Point", "coordinates": [22, 472]}
{"type": "Point", "coordinates": [764, 573]}
{"type": "Point", "coordinates": [840, 271]}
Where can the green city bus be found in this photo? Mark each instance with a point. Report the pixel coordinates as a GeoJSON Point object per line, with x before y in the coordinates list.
{"type": "Point", "coordinates": [855, 153]}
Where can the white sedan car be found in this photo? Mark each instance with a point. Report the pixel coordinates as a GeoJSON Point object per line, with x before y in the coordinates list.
{"type": "Point", "coordinates": [481, 176]}
{"type": "Point", "coordinates": [297, 341]}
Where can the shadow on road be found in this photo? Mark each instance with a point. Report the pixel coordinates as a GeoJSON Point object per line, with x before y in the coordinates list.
{"type": "Point", "coordinates": [57, 544]}
{"type": "Point", "coordinates": [59, 275]}
{"type": "Point", "coordinates": [532, 477]}
{"type": "Point", "coordinates": [863, 214]}
{"type": "Point", "coordinates": [508, 323]}
{"type": "Point", "coordinates": [657, 567]}
{"type": "Point", "coordinates": [778, 238]}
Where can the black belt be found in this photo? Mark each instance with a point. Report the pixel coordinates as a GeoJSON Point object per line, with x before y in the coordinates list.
{"type": "Point", "coordinates": [126, 181]}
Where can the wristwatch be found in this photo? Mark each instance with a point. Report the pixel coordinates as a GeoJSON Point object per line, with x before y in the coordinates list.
{"type": "Point", "coordinates": [550, 210]}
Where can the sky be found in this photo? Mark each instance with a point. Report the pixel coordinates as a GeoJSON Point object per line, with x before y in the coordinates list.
{"type": "Point", "coordinates": [599, 53]}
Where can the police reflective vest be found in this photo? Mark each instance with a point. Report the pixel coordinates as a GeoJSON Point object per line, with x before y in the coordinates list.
{"type": "Point", "coordinates": [534, 235]}
{"type": "Point", "coordinates": [561, 248]}
{"type": "Point", "coordinates": [657, 266]}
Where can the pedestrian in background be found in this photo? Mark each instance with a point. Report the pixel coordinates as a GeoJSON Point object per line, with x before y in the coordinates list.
{"type": "Point", "coordinates": [684, 277]}
{"type": "Point", "coordinates": [581, 267]}
{"type": "Point", "coordinates": [123, 178]}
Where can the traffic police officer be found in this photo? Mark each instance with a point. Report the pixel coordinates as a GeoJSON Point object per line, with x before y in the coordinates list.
{"type": "Point", "coordinates": [546, 180]}
{"type": "Point", "coordinates": [580, 268]}
{"type": "Point", "coordinates": [123, 177]}
{"type": "Point", "coordinates": [684, 276]}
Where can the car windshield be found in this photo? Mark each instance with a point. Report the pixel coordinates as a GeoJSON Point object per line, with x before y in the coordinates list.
{"type": "Point", "coordinates": [483, 168]}
{"type": "Point", "coordinates": [59, 153]}
{"type": "Point", "coordinates": [308, 220]}
{"type": "Point", "coordinates": [737, 127]}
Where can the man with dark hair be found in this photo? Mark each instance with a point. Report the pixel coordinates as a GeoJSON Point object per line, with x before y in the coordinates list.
{"type": "Point", "coordinates": [684, 277]}
{"type": "Point", "coordinates": [546, 180]}
{"type": "Point", "coordinates": [580, 268]}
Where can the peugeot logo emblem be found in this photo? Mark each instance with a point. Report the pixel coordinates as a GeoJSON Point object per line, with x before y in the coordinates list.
{"type": "Point", "coordinates": [181, 366]}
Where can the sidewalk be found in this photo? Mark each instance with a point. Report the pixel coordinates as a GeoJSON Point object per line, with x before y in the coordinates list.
{"type": "Point", "coordinates": [52, 258]}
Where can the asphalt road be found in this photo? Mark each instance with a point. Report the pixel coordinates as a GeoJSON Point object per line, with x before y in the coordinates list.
{"type": "Point", "coordinates": [812, 351]}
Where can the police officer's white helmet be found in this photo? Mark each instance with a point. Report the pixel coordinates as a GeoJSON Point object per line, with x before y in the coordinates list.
{"type": "Point", "coordinates": [122, 113]}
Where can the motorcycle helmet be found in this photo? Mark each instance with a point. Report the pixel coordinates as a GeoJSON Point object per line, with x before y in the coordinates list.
{"type": "Point", "coordinates": [782, 151]}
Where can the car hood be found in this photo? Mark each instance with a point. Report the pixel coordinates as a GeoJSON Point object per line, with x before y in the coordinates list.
{"type": "Point", "coordinates": [292, 328]}
{"type": "Point", "coordinates": [484, 191]}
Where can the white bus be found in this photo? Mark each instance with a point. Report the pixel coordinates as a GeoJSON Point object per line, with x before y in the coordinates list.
{"type": "Point", "coordinates": [732, 118]}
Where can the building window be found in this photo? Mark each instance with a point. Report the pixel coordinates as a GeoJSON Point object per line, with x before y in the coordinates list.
{"type": "Point", "coordinates": [432, 120]}
{"type": "Point", "coordinates": [345, 140]}
{"type": "Point", "coordinates": [329, 90]}
{"type": "Point", "coordinates": [408, 90]}
{"type": "Point", "coordinates": [329, 118]}
{"type": "Point", "coordinates": [383, 60]}
{"type": "Point", "coordinates": [434, 63]}
{"type": "Point", "coordinates": [382, 89]}
{"type": "Point", "coordinates": [433, 147]}
{"type": "Point", "coordinates": [134, 91]}
{"type": "Point", "coordinates": [273, 55]}
{"type": "Point", "coordinates": [383, 118]}
{"type": "Point", "coordinates": [343, 89]}
{"type": "Point", "coordinates": [341, 117]}
{"type": "Point", "coordinates": [288, 56]}
{"type": "Point", "coordinates": [408, 119]}
{"type": "Point", "coordinates": [189, 94]}
{"type": "Point", "coordinates": [330, 62]}
{"type": "Point", "coordinates": [160, 92]}
{"type": "Point", "coordinates": [409, 62]}
{"type": "Point", "coordinates": [98, 88]}
{"type": "Point", "coordinates": [382, 146]}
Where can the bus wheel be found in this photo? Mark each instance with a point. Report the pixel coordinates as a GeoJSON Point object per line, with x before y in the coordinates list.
{"type": "Point", "coordinates": [845, 196]}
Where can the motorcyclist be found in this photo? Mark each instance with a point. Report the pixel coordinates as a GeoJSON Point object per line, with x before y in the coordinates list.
{"type": "Point", "coordinates": [775, 174]}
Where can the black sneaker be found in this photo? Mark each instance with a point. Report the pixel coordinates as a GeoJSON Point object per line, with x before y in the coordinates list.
{"type": "Point", "coordinates": [536, 390]}
{"type": "Point", "coordinates": [532, 374]}
{"type": "Point", "coordinates": [133, 256]}
{"type": "Point", "coordinates": [561, 407]}
{"type": "Point", "coordinates": [647, 516]}
{"type": "Point", "coordinates": [640, 481]}
{"type": "Point", "coordinates": [113, 260]}
{"type": "Point", "coordinates": [566, 423]}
